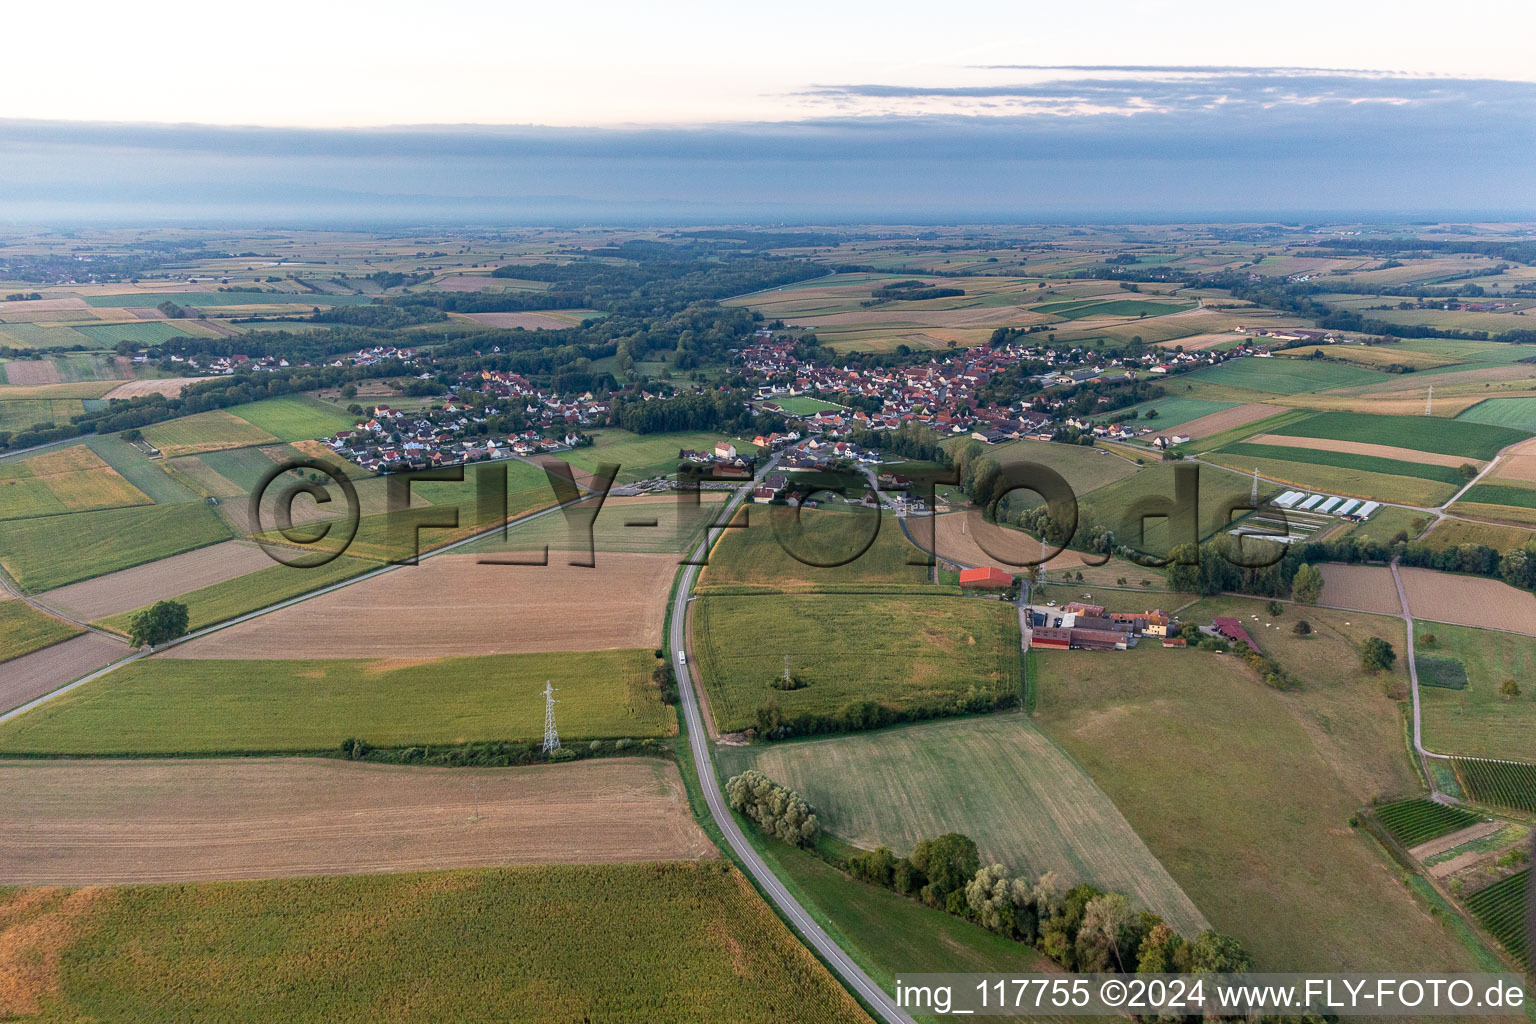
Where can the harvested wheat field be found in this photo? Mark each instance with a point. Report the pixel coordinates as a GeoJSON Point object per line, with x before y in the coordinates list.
{"type": "Point", "coordinates": [145, 584]}
{"type": "Point", "coordinates": [1229, 419]}
{"type": "Point", "coordinates": [1361, 588]}
{"type": "Point", "coordinates": [1199, 342]}
{"type": "Point", "coordinates": [454, 605]}
{"type": "Point", "coordinates": [1519, 463]}
{"type": "Point", "coordinates": [31, 371]}
{"type": "Point", "coordinates": [1380, 451]}
{"type": "Point", "coordinates": [1468, 601]}
{"type": "Point", "coordinates": [552, 321]}
{"type": "Point", "coordinates": [955, 540]}
{"type": "Point", "coordinates": [32, 675]}
{"type": "Point", "coordinates": [170, 387]}
{"type": "Point", "coordinates": [90, 822]}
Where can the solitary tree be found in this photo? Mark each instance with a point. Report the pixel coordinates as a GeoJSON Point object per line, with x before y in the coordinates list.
{"type": "Point", "coordinates": [160, 623]}
{"type": "Point", "coordinates": [1302, 628]}
{"type": "Point", "coordinates": [1377, 654]}
{"type": "Point", "coordinates": [1307, 585]}
{"type": "Point", "coordinates": [1509, 689]}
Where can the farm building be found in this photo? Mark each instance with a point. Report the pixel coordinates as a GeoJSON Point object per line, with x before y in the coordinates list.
{"type": "Point", "coordinates": [1368, 509]}
{"type": "Point", "coordinates": [1328, 505]}
{"type": "Point", "coordinates": [1079, 608]}
{"type": "Point", "coordinates": [1310, 502]}
{"type": "Point", "coordinates": [1233, 630]}
{"type": "Point", "coordinates": [986, 576]}
{"type": "Point", "coordinates": [1077, 638]}
{"type": "Point", "coordinates": [1289, 498]}
{"type": "Point", "coordinates": [1346, 508]}
{"type": "Point", "coordinates": [1050, 638]}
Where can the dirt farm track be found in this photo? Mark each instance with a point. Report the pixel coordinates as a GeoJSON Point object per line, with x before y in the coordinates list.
{"type": "Point", "coordinates": [88, 822]}
{"type": "Point", "coordinates": [454, 605]}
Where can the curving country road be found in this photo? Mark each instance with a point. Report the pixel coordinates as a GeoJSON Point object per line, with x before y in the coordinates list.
{"type": "Point", "coordinates": [703, 761]}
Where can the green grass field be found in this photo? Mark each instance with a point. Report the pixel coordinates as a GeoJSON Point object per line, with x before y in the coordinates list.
{"type": "Point", "coordinates": [995, 778]}
{"type": "Point", "coordinates": [1517, 413]}
{"type": "Point", "coordinates": [1417, 820]}
{"type": "Point", "coordinates": [49, 552]}
{"type": "Point", "coordinates": [1113, 307]}
{"type": "Point", "coordinates": [641, 456]}
{"type": "Point", "coordinates": [1113, 506]}
{"type": "Point", "coordinates": [686, 942]}
{"type": "Point", "coordinates": [1343, 460]}
{"type": "Point", "coordinates": [1420, 433]}
{"type": "Point", "coordinates": [171, 705]}
{"type": "Point", "coordinates": [1171, 411]}
{"type": "Point", "coordinates": [1285, 376]}
{"type": "Point", "coordinates": [295, 417]}
{"type": "Point", "coordinates": [1501, 494]}
{"type": "Point", "coordinates": [23, 413]}
{"type": "Point", "coordinates": [1085, 469]}
{"type": "Point", "coordinates": [1389, 520]}
{"type": "Point", "coordinates": [148, 475]}
{"type": "Point", "coordinates": [220, 601]}
{"type": "Point", "coordinates": [1337, 480]}
{"type": "Point", "coordinates": [140, 332]}
{"type": "Point", "coordinates": [902, 651]}
{"type": "Point", "coordinates": [62, 480]}
{"type": "Point", "coordinates": [138, 300]}
{"type": "Point", "coordinates": [205, 432]}
{"type": "Point", "coordinates": [1245, 793]}
{"type": "Point", "coordinates": [24, 629]}
{"type": "Point", "coordinates": [777, 549]}
{"type": "Point", "coordinates": [1463, 533]}
{"type": "Point", "coordinates": [804, 405]}
{"type": "Point", "coordinates": [1476, 720]}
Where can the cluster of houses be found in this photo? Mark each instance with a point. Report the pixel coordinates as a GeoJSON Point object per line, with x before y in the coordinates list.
{"type": "Point", "coordinates": [1089, 627]}
{"type": "Point", "coordinates": [392, 440]}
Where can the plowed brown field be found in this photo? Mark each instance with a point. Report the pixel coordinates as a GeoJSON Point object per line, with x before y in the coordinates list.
{"type": "Point", "coordinates": [1365, 588]}
{"type": "Point", "coordinates": [1468, 601]}
{"type": "Point", "coordinates": [455, 605]}
{"type": "Point", "coordinates": [86, 822]}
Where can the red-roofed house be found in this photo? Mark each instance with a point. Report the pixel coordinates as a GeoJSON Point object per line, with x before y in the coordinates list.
{"type": "Point", "coordinates": [1233, 630]}
{"type": "Point", "coordinates": [986, 576]}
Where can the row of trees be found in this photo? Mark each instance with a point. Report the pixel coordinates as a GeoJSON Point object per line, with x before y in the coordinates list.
{"type": "Point", "coordinates": [777, 810]}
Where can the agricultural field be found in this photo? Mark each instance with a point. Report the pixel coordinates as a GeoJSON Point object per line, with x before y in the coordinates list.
{"type": "Point", "coordinates": [1465, 533]}
{"type": "Point", "coordinates": [456, 604]}
{"type": "Point", "coordinates": [1463, 438]}
{"type": "Point", "coordinates": [1417, 820]}
{"type": "Point", "coordinates": [1115, 506]}
{"type": "Point", "coordinates": [1085, 469]}
{"type": "Point", "coordinates": [901, 651]}
{"type": "Point", "coordinates": [1204, 761]}
{"type": "Point", "coordinates": [956, 540]}
{"type": "Point", "coordinates": [295, 417]}
{"type": "Point", "coordinates": [1317, 471]}
{"type": "Point", "coordinates": [140, 332]}
{"type": "Point", "coordinates": [142, 821]}
{"type": "Point", "coordinates": [1371, 356]}
{"type": "Point", "coordinates": [1284, 376]}
{"type": "Point", "coordinates": [1515, 413]}
{"type": "Point", "coordinates": [777, 549]}
{"type": "Point", "coordinates": [24, 629]}
{"type": "Point", "coordinates": [63, 480]}
{"type": "Point", "coordinates": [1469, 601]}
{"type": "Point", "coordinates": [205, 300]}
{"type": "Point", "coordinates": [1507, 784]}
{"type": "Point", "coordinates": [1231, 418]}
{"type": "Point", "coordinates": [1501, 494]}
{"type": "Point", "coordinates": [102, 596]}
{"type": "Point", "coordinates": [688, 942]}
{"type": "Point", "coordinates": [32, 675]}
{"type": "Point", "coordinates": [41, 554]}
{"type": "Point", "coordinates": [642, 456]}
{"type": "Point", "coordinates": [170, 706]}
{"type": "Point", "coordinates": [1171, 412]}
{"type": "Point", "coordinates": [643, 524]}
{"type": "Point", "coordinates": [1366, 588]}
{"type": "Point", "coordinates": [1390, 520]}
{"type": "Point", "coordinates": [23, 413]}
{"type": "Point", "coordinates": [205, 432]}
{"type": "Point", "coordinates": [995, 778]}
{"type": "Point", "coordinates": [1501, 908]}
{"type": "Point", "coordinates": [1475, 719]}
{"type": "Point", "coordinates": [264, 583]}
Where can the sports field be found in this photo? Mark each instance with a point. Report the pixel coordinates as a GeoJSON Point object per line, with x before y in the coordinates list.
{"type": "Point", "coordinates": [804, 405]}
{"type": "Point", "coordinates": [1477, 720]}
{"type": "Point", "coordinates": [205, 432]}
{"type": "Point", "coordinates": [72, 479]}
{"type": "Point", "coordinates": [167, 706]}
{"type": "Point", "coordinates": [629, 944]}
{"type": "Point", "coordinates": [24, 629]}
{"type": "Point", "coordinates": [1285, 376]}
{"type": "Point", "coordinates": [49, 552]}
{"type": "Point", "coordinates": [902, 651]}
{"type": "Point", "coordinates": [995, 778]}
{"type": "Point", "coordinates": [1245, 793]}
{"type": "Point", "coordinates": [97, 821]}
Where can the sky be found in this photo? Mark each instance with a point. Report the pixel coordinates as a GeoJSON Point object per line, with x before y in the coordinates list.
{"type": "Point", "coordinates": [478, 111]}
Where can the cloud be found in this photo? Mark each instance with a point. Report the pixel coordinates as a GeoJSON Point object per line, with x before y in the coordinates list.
{"type": "Point", "coordinates": [1096, 143]}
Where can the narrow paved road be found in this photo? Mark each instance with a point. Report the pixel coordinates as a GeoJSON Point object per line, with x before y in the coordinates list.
{"type": "Point", "coordinates": [703, 761]}
{"type": "Point", "coordinates": [1413, 681]}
